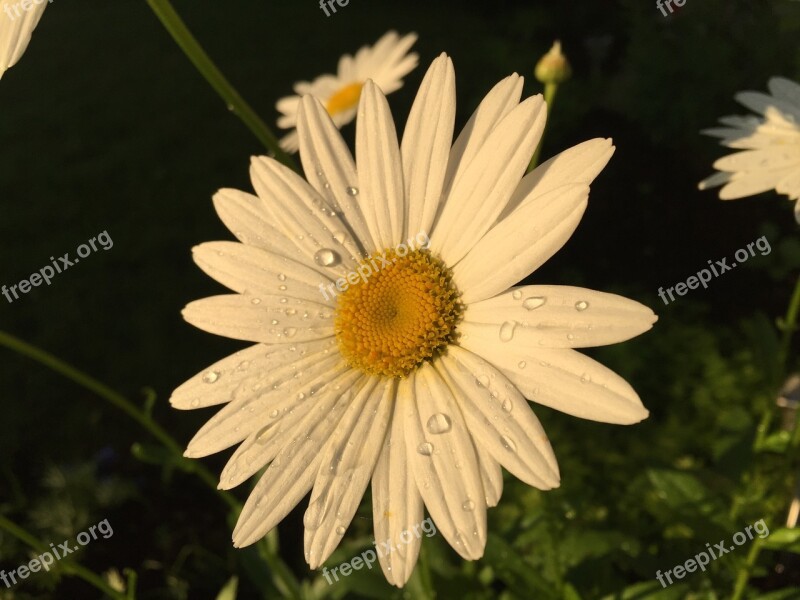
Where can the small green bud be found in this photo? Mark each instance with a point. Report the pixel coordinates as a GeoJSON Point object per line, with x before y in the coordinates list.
{"type": "Point", "coordinates": [553, 67]}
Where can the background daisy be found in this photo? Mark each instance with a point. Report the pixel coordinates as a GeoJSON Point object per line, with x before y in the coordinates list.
{"type": "Point", "coordinates": [385, 63]}
{"type": "Point", "coordinates": [770, 159]}
{"type": "Point", "coordinates": [16, 26]}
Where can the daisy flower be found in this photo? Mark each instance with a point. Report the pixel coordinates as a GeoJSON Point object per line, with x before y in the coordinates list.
{"type": "Point", "coordinates": [770, 143]}
{"type": "Point", "coordinates": [16, 27]}
{"type": "Point", "coordinates": [385, 63]}
{"type": "Point", "coordinates": [416, 377]}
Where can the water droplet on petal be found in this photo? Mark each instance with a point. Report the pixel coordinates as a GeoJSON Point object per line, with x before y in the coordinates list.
{"type": "Point", "coordinates": [274, 321]}
{"type": "Point", "coordinates": [521, 364]}
{"type": "Point", "coordinates": [274, 413]}
{"type": "Point", "coordinates": [439, 423]}
{"type": "Point", "coordinates": [326, 257]}
{"type": "Point", "coordinates": [482, 380]}
{"type": "Point", "coordinates": [352, 191]}
{"type": "Point", "coordinates": [195, 402]}
{"type": "Point", "coordinates": [468, 505]}
{"type": "Point", "coordinates": [256, 300]}
{"type": "Point", "coordinates": [340, 237]}
{"type": "Point", "coordinates": [581, 305]}
{"type": "Point", "coordinates": [508, 443]}
{"type": "Point", "coordinates": [516, 295]}
{"type": "Point", "coordinates": [570, 336]}
{"type": "Point", "coordinates": [290, 331]}
{"type": "Point", "coordinates": [340, 530]}
{"type": "Point", "coordinates": [211, 376]}
{"type": "Point", "coordinates": [282, 277]}
{"type": "Point", "coordinates": [533, 302]}
{"type": "Point", "coordinates": [425, 448]}
{"type": "Point", "coordinates": [507, 331]}
{"type": "Point", "coordinates": [508, 405]}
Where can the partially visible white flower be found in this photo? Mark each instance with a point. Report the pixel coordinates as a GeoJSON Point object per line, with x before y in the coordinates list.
{"type": "Point", "coordinates": [16, 27]}
{"type": "Point", "coordinates": [385, 63]}
{"type": "Point", "coordinates": [771, 145]}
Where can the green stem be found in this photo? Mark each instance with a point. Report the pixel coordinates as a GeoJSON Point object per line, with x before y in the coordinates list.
{"type": "Point", "coordinates": [743, 576]}
{"type": "Point", "coordinates": [790, 326]}
{"type": "Point", "coordinates": [550, 90]}
{"type": "Point", "coordinates": [67, 565]}
{"type": "Point", "coordinates": [194, 51]}
{"type": "Point", "coordinates": [115, 399]}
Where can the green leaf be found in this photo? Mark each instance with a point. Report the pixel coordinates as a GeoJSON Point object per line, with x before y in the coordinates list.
{"type": "Point", "coordinates": [783, 539]}
{"type": "Point", "coordinates": [228, 592]}
{"type": "Point", "coordinates": [777, 442]}
{"type": "Point", "coordinates": [651, 590]}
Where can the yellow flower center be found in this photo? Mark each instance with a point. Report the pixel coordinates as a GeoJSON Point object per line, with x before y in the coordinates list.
{"type": "Point", "coordinates": [403, 312]}
{"type": "Point", "coordinates": [344, 99]}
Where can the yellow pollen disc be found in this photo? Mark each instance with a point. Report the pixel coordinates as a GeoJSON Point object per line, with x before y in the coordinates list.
{"type": "Point", "coordinates": [344, 99]}
{"type": "Point", "coordinates": [399, 315]}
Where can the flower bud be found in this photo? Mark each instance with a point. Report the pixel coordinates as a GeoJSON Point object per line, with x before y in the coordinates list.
{"type": "Point", "coordinates": [553, 67]}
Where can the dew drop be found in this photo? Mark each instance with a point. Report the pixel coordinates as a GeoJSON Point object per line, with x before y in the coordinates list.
{"type": "Point", "coordinates": [533, 302]}
{"type": "Point", "coordinates": [290, 332]}
{"type": "Point", "coordinates": [195, 402]}
{"type": "Point", "coordinates": [425, 448]}
{"type": "Point", "coordinates": [340, 530]}
{"type": "Point", "coordinates": [581, 305]}
{"type": "Point", "coordinates": [256, 300]}
{"type": "Point", "coordinates": [482, 380]}
{"type": "Point", "coordinates": [352, 191]}
{"type": "Point", "coordinates": [508, 405]}
{"type": "Point", "coordinates": [274, 413]}
{"type": "Point", "coordinates": [326, 257]}
{"type": "Point", "coordinates": [570, 336]}
{"type": "Point", "coordinates": [439, 423]}
{"type": "Point", "coordinates": [508, 443]}
{"type": "Point", "coordinates": [521, 364]}
{"type": "Point", "coordinates": [516, 295]}
{"type": "Point", "coordinates": [274, 321]}
{"type": "Point", "coordinates": [507, 331]}
{"type": "Point", "coordinates": [211, 376]}
{"type": "Point", "coordinates": [468, 505]}
{"type": "Point", "coordinates": [282, 277]}
{"type": "Point", "coordinates": [339, 237]}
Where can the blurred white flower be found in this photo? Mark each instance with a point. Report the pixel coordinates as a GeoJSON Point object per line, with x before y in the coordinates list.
{"type": "Point", "coordinates": [16, 26]}
{"type": "Point", "coordinates": [771, 145]}
{"type": "Point", "coordinates": [385, 63]}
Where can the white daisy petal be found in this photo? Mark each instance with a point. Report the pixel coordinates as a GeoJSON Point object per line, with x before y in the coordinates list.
{"type": "Point", "coordinates": [760, 103]}
{"type": "Point", "coordinates": [329, 167]}
{"type": "Point", "coordinates": [346, 468]}
{"type": "Point", "coordinates": [486, 187]}
{"type": "Point", "coordinates": [500, 101]}
{"type": "Point", "coordinates": [379, 173]}
{"type": "Point", "coordinates": [498, 416]}
{"type": "Point", "coordinates": [290, 476]}
{"type": "Point", "coordinates": [521, 243]}
{"type": "Point", "coordinates": [751, 183]}
{"type": "Point", "coordinates": [565, 380]}
{"type": "Point", "coordinates": [271, 321]}
{"type": "Point", "coordinates": [244, 215]}
{"type": "Point", "coordinates": [426, 145]}
{"type": "Point", "coordinates": [396, 502]}
{"type": "Point", "coordinates": [225, 380]}
{"type": "Point", "coordinates": [790, 185]}
{"type": "Point", "coordinates": [278, 421]}
{"type": "Point", "coordinates": [277, 392]}
{"type": "Point", "coordinates": [714, 180]}
{"type": "Point", "coordinates": [579, 164]}
{"type": "Point", "coordinates": [491, 476]}
{"type": "Point", "coordinates": [305, 218]}
{"type": "Point", "coordinates": [766, 158]}
{"type": "Point", "coordinates": [784, 89]}
{"type": "Point", "coordinates": [442, 456]}
{"type": "Point", "coordinates": [257, 273]}
{"type": "Point", "coordinates": [16, 30]}
{"type": "Point", "coordinates": [554, 316]}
